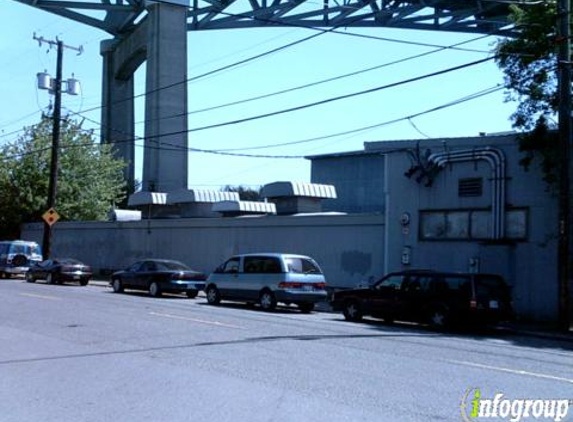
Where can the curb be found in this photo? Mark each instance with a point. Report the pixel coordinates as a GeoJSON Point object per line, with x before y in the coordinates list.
{"type": "Point", "coordinates": [545, 335]}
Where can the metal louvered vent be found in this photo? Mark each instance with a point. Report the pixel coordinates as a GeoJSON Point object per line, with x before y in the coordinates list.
{"type": "Point", "coordinates": [470, 187]}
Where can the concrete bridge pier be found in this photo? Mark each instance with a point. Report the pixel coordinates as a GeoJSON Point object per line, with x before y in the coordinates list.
{"type": "Point", "coordinates": [161, 42]}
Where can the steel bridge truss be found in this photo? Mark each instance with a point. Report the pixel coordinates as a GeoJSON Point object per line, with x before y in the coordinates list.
{"type": "Point", "coordinates": [119, 17]}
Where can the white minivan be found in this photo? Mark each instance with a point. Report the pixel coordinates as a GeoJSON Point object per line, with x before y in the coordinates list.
{"type": "Point", "coordinates": [268, 278]}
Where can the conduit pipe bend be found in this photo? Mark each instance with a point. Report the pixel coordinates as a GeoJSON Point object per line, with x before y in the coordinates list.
{"type": "Point", "coordinates": [496, 159]}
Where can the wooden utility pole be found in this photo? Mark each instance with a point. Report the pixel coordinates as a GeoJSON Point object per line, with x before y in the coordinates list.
{"type": "Point", "coordinates": [53, 183]}
{"type": "Point", "coordinates": [56, 89]}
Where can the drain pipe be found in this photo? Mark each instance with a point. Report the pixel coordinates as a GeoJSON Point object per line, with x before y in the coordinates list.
{"type": "Point", "coordinates": [496, 159]}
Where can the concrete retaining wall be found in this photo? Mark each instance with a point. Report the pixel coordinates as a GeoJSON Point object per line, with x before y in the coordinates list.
{"type": "Point", "coordinates": [349, 248]}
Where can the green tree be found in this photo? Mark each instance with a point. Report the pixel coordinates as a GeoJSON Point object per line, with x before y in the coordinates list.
{"type": "Point", "coordinates": [529, 62]}
{"type": "Point", "coordinates": [90, 179]}
{"type": "Point", "coordinates": [245, 193]}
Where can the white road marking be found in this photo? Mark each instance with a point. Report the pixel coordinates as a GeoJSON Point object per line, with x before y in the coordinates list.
{"type": "Point", "coordinates": [40, 296]}
{"type": "Point", "coordinates": [201, 321]}
{"type": "Point", "coordinates": [512, 371]}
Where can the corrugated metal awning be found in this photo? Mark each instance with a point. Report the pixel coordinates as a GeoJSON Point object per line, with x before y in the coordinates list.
{"type": "Point", "coordinates": [185, 196]}
{"type": "Point", "coordinates": [147, 198]}
{"type": "Point", "coordinates": [309, 190]}
{"type": "Point", "coordinates": [244, 207]}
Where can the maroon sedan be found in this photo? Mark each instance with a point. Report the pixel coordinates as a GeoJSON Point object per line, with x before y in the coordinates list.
{"type": "Point", "coordinates": [59, 271]}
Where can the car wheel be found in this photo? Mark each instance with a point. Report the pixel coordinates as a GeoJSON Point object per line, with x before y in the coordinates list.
{"type": "Point", "coordinates": [50, 279]}
{"type": "Point", "coordinates": [192, 294]}
{"type": "Point", "coordinates": [352, 310]}
{"type": "Point", "coordinates": [306, 307]}
{"type": "Point", "coordinates": [84, 282]}
{"type": "Point", "coordinates": [154, 289]}
{"type": "Point", "coordinates": [117, 285]}
{"type": "Point", "coordinates": [30, 278]}
{"type": "Point", "coordinates": [438, 318]}
{"type": "Point", "coordinates": [267, 300]}
{"type": "Point", "coordinates": [213, 295]}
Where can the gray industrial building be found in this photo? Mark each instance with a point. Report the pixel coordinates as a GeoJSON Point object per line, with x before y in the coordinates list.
{"type": "Point", "coordinates": [460, 204]}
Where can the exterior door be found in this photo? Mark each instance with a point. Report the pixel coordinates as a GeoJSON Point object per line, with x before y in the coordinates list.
{"type": "Point", "coordinates": [385, 296]}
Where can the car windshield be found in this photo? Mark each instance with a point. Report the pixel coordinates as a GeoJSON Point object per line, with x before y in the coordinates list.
{"type": "Point", "coordinates": [302, 266]}
{"type": "Point", "coordinates": [171, 266]}
{"type": "Point", "coordinates": [35, 250]}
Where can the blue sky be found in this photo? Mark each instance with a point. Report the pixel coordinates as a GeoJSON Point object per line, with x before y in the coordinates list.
{"type": "Point", "coordinates": [323, 57]}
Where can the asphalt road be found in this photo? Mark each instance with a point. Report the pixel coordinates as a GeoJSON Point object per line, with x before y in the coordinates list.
{"type": "Point", "coordinates": [71, 353]}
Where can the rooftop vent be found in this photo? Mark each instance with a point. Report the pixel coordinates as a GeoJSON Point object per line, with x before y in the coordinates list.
{"type": "Point", "coordinates": [124, 215]}
{"type": "Point", "coordinates": [151, 205]}
{"type": "Point", "coordinates": [295, 198]}
{"type": "Point", "coordinates": [238, 208]}
{"type": "Point", "coordinates": [198, 202]}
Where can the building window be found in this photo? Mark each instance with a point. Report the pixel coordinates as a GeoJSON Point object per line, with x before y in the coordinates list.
{"type": "Point", "coordinates": [470, 187]}
{"type": "Point", "coordinates": [480, 224]}
{"type": "Point", "coordinates": [432, 225]}
{"type": "Point", "coordinates": [475, 224]}
{"type": "Point", "coordinates": [457, 225]}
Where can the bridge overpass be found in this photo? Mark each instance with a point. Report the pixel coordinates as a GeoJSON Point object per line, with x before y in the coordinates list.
{"type": "Point", "coordinates": [155, 32]}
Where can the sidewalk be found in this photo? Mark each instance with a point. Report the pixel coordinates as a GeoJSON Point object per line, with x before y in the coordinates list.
{"type": "Point", "coordinates": [542, 331]}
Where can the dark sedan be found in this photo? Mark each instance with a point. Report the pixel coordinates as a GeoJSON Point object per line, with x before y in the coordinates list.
{"type": "Point", "coordinates": [440, 299]}
{"type": "Point", "coordinates": [59, 271]}
{"type": "Point", "coordinates": [159, 276]}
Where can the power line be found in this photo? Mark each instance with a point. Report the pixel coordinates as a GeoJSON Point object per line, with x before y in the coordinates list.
{"type": "Point", "coordinates": [333, 99]}
{"type": "Point", "coordinates": [316, 103]}
{"type": "Point", "coordinates": [229, 152]}
{"type": "Point", "coordinates": [470, 97]}
{"type": "Point", "coordinates": [311, 84]}
{"type": "Point", "coordinates": [283, 47]}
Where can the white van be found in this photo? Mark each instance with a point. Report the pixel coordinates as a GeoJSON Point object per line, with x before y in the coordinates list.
{"type": "Point", "coordinates": [268, 278]}
{"type": "Point", "coordinates": [16, 256]}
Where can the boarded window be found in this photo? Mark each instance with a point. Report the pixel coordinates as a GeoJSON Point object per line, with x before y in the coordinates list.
{"type": "Point", "coordinates": [470, 224]}
{"type": "Point", "coordinates": [458, 225]}
{"type": "Point", "coordinates": [432, 225]}
{"type": "Point", "coordinates": [481, 224]}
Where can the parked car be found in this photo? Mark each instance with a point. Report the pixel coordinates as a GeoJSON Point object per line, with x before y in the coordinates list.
{"type": "Point", "coordinates": [16, 256]}
{"type": "Point", "coordinates": [438, 298]}
{"type": "Point", "coordinates": [268, 278]}
{"type": "Point", "coordinates": [59, 271]}
{"type": "Point", "coordinates": [159, 276]}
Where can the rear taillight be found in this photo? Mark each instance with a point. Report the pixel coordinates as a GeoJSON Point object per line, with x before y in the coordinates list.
{"type": "Point", "coordinates": [290, 285]}
{"type": "Point", "coordinates": [297, 285]}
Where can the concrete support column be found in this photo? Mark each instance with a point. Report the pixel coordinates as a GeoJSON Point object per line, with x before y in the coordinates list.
{"type": "Point", "coordinates": [165, 160]}
{"type": "Point", "coordinates": [117, 119]}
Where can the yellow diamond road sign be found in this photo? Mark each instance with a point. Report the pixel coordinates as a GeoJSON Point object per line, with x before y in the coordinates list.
{"type": "Point", "coordinates": [51, 216]}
